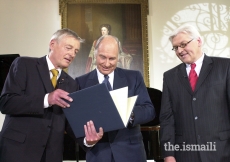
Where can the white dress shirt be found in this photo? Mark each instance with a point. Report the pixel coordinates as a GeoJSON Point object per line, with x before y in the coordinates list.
{"type": "Point", "coordinates": [101, 77]}
{"type": "Point", "coordinates": [198, 63]}
{"type": "Point", "coordinates": [50, 66]}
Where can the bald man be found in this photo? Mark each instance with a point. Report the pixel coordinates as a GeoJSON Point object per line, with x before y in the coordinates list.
{"type": "Point", "coordinates": [124, 144]}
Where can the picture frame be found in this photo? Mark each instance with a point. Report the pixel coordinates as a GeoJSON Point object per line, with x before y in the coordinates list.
{"type": "Point", "coordinates": [128, 22]}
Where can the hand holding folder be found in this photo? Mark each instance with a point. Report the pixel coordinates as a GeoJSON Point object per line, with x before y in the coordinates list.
{"type": "Point", "coordinates": [109, 110]}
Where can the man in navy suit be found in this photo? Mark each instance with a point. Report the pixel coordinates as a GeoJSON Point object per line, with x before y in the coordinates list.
{"type": "Point", "coordinates": [33, 130]}
{"type": "Point", "coordinates": [195, 110]}
{"type": "Point", "coordinates": [123, 145]}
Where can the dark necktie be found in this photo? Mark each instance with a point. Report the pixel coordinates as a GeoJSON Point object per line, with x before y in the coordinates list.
{"type": "Point", "coordinates": [193, 76]}
{"type": "Point", "coordinates": [112, 134]}
{"type": "Point", "coordinates": [106, 81]}
{"type": "Point", "coordinates": [54, 78]}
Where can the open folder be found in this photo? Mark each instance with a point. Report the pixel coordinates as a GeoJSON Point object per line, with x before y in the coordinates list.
{"type": "Point", "coordinates": [109, 110]}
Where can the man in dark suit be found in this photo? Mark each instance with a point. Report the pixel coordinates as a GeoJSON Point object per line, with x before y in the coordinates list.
{"type": "Point", "coordinates": [34, 125]}
{"type": "Point", "coordinates": [126, 144]}
{"type": "Point", "coordinates": [195, 112]}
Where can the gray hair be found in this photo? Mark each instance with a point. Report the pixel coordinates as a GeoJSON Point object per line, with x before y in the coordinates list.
{"type": "Point", "coordinates": [65, 32]}
{"type": "Point", "coordinates": [100, 40]}
{"type": "Point", "coordinates": [187, 29]}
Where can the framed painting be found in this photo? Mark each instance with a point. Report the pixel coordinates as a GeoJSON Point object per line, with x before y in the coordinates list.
{"type": "Point", "coordinates": [125, 19]}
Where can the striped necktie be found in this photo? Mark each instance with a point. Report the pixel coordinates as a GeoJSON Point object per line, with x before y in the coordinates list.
{"type": "Point", "coordinates": [106, 81]}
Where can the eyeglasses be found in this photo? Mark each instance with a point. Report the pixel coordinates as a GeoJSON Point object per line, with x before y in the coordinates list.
{"type": "Point", "coordinates": [182, 45]}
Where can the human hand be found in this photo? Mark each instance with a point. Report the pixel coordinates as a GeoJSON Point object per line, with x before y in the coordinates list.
{"type": "Point", "coordinates": [91, 135]}
{"type": "Point", "coordinates": [170, 159]}
{"type": "Point", "coordinates": [57, 98]}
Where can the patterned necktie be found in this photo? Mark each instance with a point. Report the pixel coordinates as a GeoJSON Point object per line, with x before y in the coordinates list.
{"type": "Point", "coordinates": [106, 81]}
{"type": "Point", "coordinates": [54, 78]}
{"type": "Point", "coordinates": [193, 76]}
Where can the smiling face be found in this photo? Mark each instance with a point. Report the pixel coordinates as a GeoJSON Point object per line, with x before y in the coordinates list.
{"type": "Point", "coordinates": [107, 55]}
{"type": "Point", "coordinates": [104, 31]}
{"type": "Point", "coordinates": [63, 51]}
{"type": "Point", "coordinates": [191, 52]}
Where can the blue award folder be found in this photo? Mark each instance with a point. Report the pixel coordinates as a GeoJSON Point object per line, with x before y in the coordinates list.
{"type": "Point", "coordinates": [93, 103]}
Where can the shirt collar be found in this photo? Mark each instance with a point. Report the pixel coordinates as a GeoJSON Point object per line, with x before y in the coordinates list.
{"type": "Point", "coordinates": [101, 77]}
{"type": "Point", "coordinates": [51, 66]}
{"type": "Point", "coordinates": [198, 62]}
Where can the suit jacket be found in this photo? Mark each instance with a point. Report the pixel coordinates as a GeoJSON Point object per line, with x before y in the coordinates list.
{"type": "Point", "coordinates": [125, 144]}
{"type": "Point", "coordinates": [197, 119]}
{"type": "Point", "coordinates": [29, 129]}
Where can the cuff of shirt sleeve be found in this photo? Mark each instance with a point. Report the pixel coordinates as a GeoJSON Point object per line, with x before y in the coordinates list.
{"type": "Point", "coordinates": [87, 144]}
{"type": "Point", "coordinates": [46, 103]}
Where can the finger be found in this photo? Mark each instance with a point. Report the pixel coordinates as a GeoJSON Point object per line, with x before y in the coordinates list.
{"type": "Point", "coordinates": [60, 91]}
{"type": "Point", "coordinates": [66, 97]}
{"type": "Point", "coordinates": [89, 129]}
{"type": "Point", "coordinates": [92, 127]}
{"type": "Point", "coordinates": [63, 94]}
{"type": "Point", "coordinates": [100, 134]}
{"type": "Point", "coordinates": [62, 103]}
{"type": "Point", "coordinates": [86, 131]}
{"type": "Point", "coordinates": [101, 130]}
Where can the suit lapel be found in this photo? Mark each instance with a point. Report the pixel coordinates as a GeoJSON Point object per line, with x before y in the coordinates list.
{"type": "Point", "coordinates": [183, 77]}
{"type": "Point", "coordinates": [119, 79]}
{"type": "Point", "coordinates": [93, 79]}
{"type": "Point", "coordinates": [44, 74]}
{"type": "Point", "coordinates": [63, 81]}
{"type": "Point", "coordinates": [204, 72]}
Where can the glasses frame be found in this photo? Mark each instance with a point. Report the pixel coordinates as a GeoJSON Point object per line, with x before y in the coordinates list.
{"type": "Point", "coordinates": [183, 45]}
